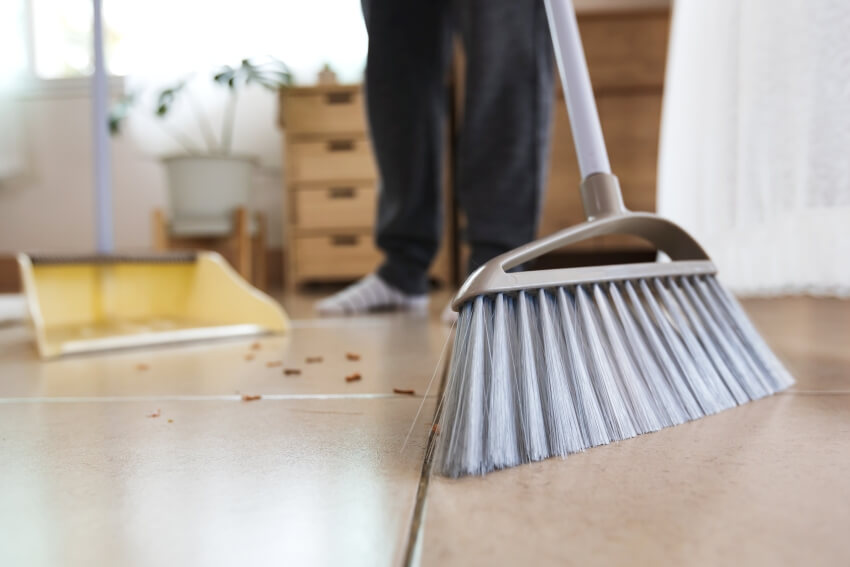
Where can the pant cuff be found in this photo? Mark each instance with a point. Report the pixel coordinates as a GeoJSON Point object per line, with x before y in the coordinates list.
{"type": "Point", "coordinates": [404, 278]}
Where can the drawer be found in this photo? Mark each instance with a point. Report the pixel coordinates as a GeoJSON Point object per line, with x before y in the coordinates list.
{"type": "Point", "coordinates": [626, 50]}
{"type": "Point", "coordinates": [334, 159]}
{"type": "Point", "coordinates": [335, 206]}
{"type": "Point", "coordinates": [631, 124]}
{"type": "Point", "coordinates": [339, 256]}
{"type": "Point", "coordinates": [330, 111]}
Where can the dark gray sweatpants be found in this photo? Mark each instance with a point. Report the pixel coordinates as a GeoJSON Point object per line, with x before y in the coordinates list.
{"type": "Point", "coordinates": [504, 134]}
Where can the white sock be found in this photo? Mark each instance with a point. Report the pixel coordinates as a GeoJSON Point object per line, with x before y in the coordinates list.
{"type": "Point", "coordinates": [370, 294]}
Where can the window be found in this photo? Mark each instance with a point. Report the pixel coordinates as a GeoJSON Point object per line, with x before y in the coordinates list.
{"type": "Point", "coordinates": [13, 47]}
{"type": "Point", "coordinates": [168, 37]}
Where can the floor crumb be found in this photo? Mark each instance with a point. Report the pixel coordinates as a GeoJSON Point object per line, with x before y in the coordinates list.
{"type": "Point", "coordinates": [313, 359]}
{"type": "Point", "coordinates": [353, 377]}
{"type": "Point", "coordinates": [157, 413]}
{"type": "Point", "coordinates": [404, 391]}
{"type": "Point", "coordinates": [291, 372]}
{"type": "Point", "coordinates": [142, 366]}
{"type": "Point", "coordinates": [251, 398]}
{"type": "Point", "coordinates": [352, 356]}
{"type": "Point", "coordinates": [274, 363]}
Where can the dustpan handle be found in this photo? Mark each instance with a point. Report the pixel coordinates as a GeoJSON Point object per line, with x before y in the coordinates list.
{"type": "Point", "coordinates": [600, 190]}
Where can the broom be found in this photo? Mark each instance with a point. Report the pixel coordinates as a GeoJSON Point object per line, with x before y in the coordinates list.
{"type": "Point", "coordinates": [550, 362]}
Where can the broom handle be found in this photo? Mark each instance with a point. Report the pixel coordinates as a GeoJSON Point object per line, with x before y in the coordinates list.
{"type": "Point", "coordinates": [100, 115]}
{"type": "Point", "coordinates": [578, 92]}
{"type": "Point", "coordinates": [600, 190]}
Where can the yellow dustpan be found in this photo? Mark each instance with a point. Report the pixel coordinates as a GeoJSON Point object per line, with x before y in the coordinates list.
{"type": "Point", "coordinates": [96, 303]}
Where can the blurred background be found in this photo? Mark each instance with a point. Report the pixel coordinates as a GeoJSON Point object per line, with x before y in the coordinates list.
{"type": "Point", "coordinates": [749, 154]}
{"type": "Point", "coordinates": [46, 200]}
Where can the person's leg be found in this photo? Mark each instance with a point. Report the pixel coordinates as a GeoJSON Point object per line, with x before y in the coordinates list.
{"type": "Point", "coordinates": [409, 53]}
{"type": "Point", "coordinates": [505, 131]}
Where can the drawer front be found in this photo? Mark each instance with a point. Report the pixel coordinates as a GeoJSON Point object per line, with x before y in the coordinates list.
{"type": "Point", "coordinates": [337, 111]}
{"type": "Point", "coordinates": [338, 256]}
{"type": "Point", "coordinates": [626, 50]}
{"type": "Point", "coordinates": [337, 159]}
{"type": "Point", "coordinates": [336, 206]}
{"type": "Point", "coordinates": [631, 124]}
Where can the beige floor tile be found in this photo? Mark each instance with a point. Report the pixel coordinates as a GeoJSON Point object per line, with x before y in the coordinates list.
{"type": "Point", "coordinates": [396, 351]}
{"type": "Point", "coordinates": [762, 484]}
{"type": "Point", "coordinates": [766, 483]}
{"type": "Point", "coordinates": [307, 482]}
{"type": "Point", "coordinates": [811, 336]}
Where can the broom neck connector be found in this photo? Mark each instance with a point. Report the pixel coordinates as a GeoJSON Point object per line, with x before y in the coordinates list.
{"type": "Point", "coordinates": [601, 196]}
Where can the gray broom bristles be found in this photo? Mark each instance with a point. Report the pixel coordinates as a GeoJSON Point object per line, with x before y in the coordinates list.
{"type": "Point", "coordinates": [546, 373]}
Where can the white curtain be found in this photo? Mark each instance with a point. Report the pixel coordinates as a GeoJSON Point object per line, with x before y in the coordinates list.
{"type": "Point", "coordinates": [12, 68]}
{"type": "Point", "coordinates": [755, 140]}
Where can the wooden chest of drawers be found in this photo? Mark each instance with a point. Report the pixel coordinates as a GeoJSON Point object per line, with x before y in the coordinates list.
{"type": "Point", "coordinates": [331, 185]}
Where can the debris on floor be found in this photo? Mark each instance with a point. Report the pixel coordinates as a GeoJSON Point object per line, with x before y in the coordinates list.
{"type": "Point", "coordinates": [404, 391]}
{"type": "Point", "coordinates": [142, 366]}
{"type": "Point", "coordinates": [256, 346]}
{"type": "Point", "coordinates": [251, 398]}
{"type": "Point", "coordinates": [157, 413]}
{"type": "Point", "coordinates": [291, 372]}
{"type": "Point", "coordinates": [352, 356]}
{"type": "Point", "coordinates": [249, 357]}
{"type": "Point", "coordinates": [313, 359]}
{"type": "Point", "coordinates": [274, 363]}
{"type": "Point", "coordinates": [353, 377]}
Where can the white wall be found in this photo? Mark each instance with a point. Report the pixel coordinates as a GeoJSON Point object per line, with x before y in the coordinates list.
{"type": "Point", "coordinates": [49, 207]}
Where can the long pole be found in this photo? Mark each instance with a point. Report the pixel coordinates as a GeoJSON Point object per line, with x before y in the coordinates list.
{"type": "Point", "coordinates": [100, 130]}
{"type": "Point", "coordinates": [584, 119]}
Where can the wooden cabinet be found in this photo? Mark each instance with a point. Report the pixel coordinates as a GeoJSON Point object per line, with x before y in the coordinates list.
{"type": "Point", "coordinates": [331, 186]}
{"type": "Point", "coordinates": [626, 51]}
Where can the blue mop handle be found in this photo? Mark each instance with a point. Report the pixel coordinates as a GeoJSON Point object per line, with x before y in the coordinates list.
{"type": "Point", "coordinates": [100, 116]}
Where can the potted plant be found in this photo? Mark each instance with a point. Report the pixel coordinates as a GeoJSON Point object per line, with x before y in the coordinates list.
{"type": "Point", "coordinates": [206, 184]}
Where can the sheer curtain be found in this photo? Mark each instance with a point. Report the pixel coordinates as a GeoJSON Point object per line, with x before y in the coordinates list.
{"type": "Point", "coordinates": [755, 140]}
{"type": "Point", "coordinates": [12, 68]}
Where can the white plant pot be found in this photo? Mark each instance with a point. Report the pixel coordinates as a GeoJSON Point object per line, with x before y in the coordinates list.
{"type": "Point", "coordinates": [203, 191]}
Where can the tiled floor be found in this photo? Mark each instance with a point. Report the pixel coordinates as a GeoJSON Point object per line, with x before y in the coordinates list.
{"type": "Point", "coordinates": [314, 473]}
{"type": "Point", "coordinates": [767, 483]}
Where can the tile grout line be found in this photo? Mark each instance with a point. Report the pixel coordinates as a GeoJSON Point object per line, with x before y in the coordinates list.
{"type": "Point", "coordinates": [210, 398]}
{"type": "Point", "coordinates": [416, 526]}
{"type": "Point", "coordinates": [813, 392]}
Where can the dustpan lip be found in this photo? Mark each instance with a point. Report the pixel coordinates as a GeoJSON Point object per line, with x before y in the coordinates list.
{"type": "Point", "coordinates": [175, 257]}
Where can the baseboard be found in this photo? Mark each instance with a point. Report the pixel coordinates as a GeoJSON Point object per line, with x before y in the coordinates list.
{"type": "Point", "coordinates": [10, 277]}
{"type": "Point", "coordinates": [274, 268]}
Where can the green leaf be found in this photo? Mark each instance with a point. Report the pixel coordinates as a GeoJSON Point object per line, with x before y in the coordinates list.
{"type": "Point", "coordinates": [115, 125]}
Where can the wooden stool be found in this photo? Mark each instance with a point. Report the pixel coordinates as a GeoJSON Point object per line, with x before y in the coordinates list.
{"type": "Point", "coordinates": [243, 242]}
